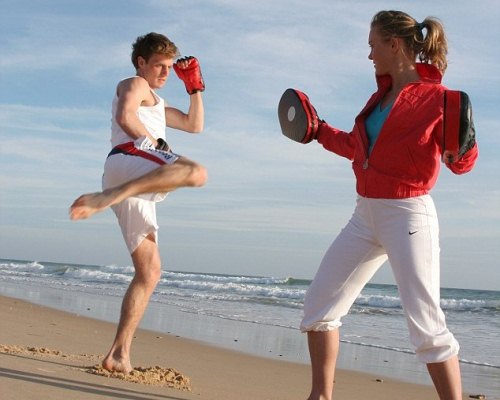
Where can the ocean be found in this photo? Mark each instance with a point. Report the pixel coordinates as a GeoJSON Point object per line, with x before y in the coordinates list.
{"type": "Point", "coordinates": [261, 315]}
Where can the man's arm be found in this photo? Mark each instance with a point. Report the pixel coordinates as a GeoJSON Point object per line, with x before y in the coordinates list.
{"type": "Point", "coordinates": [131, 95]}
{"type": "Point", "coordinates": [191, 122]}
{"type": "Point", "coordinates": [188, 70]}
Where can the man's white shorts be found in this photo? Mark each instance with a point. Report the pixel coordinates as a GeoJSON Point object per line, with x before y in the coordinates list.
{"type": "Point", "coordinates": [136, 215]}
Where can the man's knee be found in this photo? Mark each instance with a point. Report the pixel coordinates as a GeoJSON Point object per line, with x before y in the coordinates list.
{"type": "Point", "coordinates": [149, 276]}
{"type": "Point", "coordinates": [154, 275]}
{"type": "Point", "coordinates": [198, 175]}
{"type": "Point", "coordinates": [147, 263]}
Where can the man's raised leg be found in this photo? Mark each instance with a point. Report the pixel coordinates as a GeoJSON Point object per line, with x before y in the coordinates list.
{"type": "Point", "coordinates": [166, 178]}
{"type": "Point", "coordinates": [147, 264]}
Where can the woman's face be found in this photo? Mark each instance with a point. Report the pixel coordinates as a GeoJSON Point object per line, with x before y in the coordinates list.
{"type": "Point", "coordinates": [381, 52]}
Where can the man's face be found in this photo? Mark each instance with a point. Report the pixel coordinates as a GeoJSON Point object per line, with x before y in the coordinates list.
{"type": "Point", "coordinates": [156, 70]}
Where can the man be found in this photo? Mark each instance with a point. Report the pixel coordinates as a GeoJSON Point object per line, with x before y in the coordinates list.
{"type": "Point", "coordinates": [140, 170]}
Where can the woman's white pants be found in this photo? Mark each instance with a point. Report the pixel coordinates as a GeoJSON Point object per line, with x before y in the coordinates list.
{"type": "Point", "coordinates": [406, 232]}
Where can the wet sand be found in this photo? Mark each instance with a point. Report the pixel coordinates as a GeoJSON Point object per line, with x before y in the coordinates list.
{"type": "Point", "coordinates": [46, 353]}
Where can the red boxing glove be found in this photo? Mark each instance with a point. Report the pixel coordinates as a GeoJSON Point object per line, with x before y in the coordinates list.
{"type": "Point", "coordinates": [190, 74]}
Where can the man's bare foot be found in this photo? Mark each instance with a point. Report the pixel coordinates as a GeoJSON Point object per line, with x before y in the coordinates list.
{"type": "Point", "coordinates": [88, 204]}
{"type": "Point", "coordinates": [114, 365]}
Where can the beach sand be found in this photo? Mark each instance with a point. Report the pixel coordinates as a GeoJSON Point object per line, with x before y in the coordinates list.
{"type": "Point", "coordinates": [50, 354]}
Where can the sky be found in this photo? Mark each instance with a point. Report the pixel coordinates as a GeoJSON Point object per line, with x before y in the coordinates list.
{"type": "Point", "coordinates": [271, 206]}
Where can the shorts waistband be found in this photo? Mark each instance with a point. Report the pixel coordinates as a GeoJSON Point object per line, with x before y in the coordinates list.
{"type": "Point", "coordinates": [124, 148]}
{"type": "Point", "coordinates": [130, 149]}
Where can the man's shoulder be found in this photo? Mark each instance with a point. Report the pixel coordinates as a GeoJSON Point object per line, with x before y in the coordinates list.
{"type": "Point", "coordinates": [133, 84]}
{"type": "Point", "coordinates": [138, 81]}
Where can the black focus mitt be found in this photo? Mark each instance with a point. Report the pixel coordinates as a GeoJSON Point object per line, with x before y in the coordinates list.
{"type": "Point", "coordinates": [298, 119]}
{"type": "Point", "coordinates": [459, 135]}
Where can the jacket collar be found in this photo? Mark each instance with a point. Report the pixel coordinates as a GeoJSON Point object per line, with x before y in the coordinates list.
{"type": "Point", "coordinates": [428, 74]}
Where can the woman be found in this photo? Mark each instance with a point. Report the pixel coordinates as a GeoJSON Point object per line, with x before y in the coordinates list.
{"type": "Point", "coordinates": [395, 148]}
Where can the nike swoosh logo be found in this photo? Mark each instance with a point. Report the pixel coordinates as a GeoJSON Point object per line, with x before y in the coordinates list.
{"type": "Point", "coordinates": [412, 233]}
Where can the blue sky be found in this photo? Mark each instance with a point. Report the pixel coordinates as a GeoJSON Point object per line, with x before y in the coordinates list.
{"type": "Point", "coordinates": [272, 206]}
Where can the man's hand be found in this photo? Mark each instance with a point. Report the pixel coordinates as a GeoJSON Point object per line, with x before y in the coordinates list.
{"type": "Point", "coordinates": [162, 145]}
{"type": "Point", "coordinates": [188, 70]}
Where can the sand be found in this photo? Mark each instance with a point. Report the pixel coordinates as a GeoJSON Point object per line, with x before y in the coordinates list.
{"type": "Point", "coordinates": [50, 354]}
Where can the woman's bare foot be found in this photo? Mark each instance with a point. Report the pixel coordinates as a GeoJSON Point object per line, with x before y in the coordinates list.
{"type": "Point", "coordinates": [116, 365]}
{"type": "Point", "coordinates": [88, 204]}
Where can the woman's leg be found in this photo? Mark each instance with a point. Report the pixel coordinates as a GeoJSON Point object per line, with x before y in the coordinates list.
{"type": "Point", "coordinates": [447, 379]}
{"type": "Point", "coordinates": [411, 237]}
{"type": "Point", "coordinates": [347, 266]}
{"type": "Point", "coordinates": [323, 349]}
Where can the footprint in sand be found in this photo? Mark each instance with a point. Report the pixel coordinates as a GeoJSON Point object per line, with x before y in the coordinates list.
{"type": "Point", "coordinates": [157, 376]}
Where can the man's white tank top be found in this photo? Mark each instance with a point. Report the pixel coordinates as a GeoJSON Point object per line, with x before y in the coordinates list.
{"type": "Point", "coordinates": [153, 118]}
